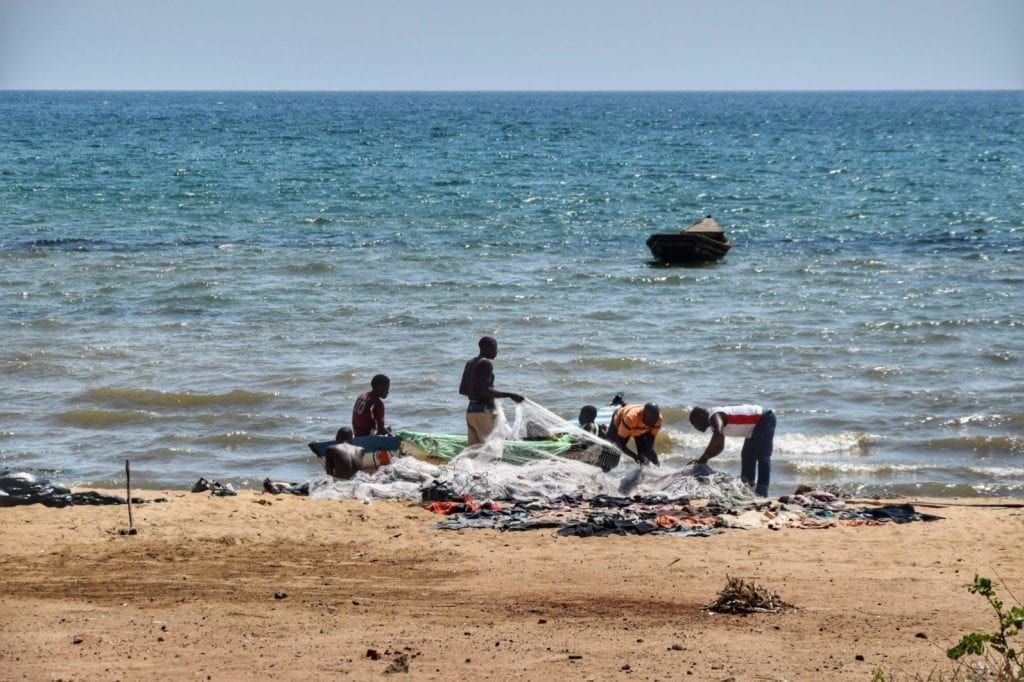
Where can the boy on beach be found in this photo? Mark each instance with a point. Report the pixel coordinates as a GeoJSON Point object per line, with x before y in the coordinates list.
{"type": "Point", "coordinates": [368, 411]}
{"type": "Point", "coordinates": [587, 421]}
{"type": "Point", "coordinates": [752, 423]}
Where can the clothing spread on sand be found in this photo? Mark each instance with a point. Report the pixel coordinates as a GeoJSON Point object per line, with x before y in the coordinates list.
{"type": "Point", "coordinates": [576, 498]}
{"type": "Point", "coordinates": [603, 516]}
{"type": "Point", "coordinates": [18, 488]}
{"type": "Point", "coordinates": [567, 514]}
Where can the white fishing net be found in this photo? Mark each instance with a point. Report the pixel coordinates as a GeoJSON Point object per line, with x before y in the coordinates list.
{"type": "Point", "coordinates": [539, 456]}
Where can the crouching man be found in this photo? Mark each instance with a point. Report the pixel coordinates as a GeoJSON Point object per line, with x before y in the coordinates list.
{"type": "Point", "coordinates": [344, 459]}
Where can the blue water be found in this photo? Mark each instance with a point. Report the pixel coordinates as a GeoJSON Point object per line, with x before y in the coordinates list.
{"type": "Point", "coordinates": [203, 282]}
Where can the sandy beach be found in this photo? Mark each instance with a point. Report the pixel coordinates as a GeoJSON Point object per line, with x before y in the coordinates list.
{"type": "Point", "coordinates": [260, 586]}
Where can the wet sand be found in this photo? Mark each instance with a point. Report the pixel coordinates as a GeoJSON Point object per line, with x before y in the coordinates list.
{"type": "Point", "coordinates": [282, 587]}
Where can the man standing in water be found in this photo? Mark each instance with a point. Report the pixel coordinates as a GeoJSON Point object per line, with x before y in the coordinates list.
{"type": "Point", "coordinates": [754, 424]}
{"type": "Point", "coordinates": [478, 385]}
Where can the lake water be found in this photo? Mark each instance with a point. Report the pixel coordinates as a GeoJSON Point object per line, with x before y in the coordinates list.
{"type": "Point", "coordinates": [203, 282]}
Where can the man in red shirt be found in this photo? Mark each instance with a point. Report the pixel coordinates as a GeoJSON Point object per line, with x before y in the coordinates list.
{"type": "Point", "coordinates": [368, 412]}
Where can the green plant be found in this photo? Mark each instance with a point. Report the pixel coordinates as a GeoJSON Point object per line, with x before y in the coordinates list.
{"type": "Point", "coordinates": [1008, 660]}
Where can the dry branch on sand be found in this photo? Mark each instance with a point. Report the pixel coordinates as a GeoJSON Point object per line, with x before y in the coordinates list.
{"type": "Point", "coordinates": [739, 596]}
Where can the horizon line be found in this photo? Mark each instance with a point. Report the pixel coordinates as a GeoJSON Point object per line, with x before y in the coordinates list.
{"type": "Point", "coordinates": [516, 91]}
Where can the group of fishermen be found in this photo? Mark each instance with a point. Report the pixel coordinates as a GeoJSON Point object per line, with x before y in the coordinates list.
{"type": "Point", "coordinates": [641, 423]}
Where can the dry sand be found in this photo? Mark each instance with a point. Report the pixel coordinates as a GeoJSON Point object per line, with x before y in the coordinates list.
{"type": "Point", "coordinates": [282, 587]}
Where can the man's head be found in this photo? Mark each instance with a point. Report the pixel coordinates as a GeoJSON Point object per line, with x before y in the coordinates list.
{"type": "Point", "coordinates": [381, 385]}
{"type": "Point", "coordinates": [588, 413]}
{"type": "Point", "coordinates": [652, 413]}
{"type": "Point", "coordinates": [488, 347]}
{"type": "Point", "coordinates": [344, 435]}
{"type": "Point", "coordinates": [699, 418]}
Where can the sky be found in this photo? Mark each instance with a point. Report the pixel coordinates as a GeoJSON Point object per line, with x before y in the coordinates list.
{"type": "Point", "coordinates": [511, 45]}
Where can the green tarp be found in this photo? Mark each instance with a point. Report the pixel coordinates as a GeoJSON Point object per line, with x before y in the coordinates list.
{"type": "Point", "coordinates": [446, 447]}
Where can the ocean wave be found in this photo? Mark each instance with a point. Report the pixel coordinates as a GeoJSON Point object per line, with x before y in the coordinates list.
{"type": "Point", "coordinates": [937, 478]}
{"type": "Point", "coordinates": [929, 489]}
{"type": "Point", "coordinates": [842, 442]}
{"type": "Point", "coordinates": [996, 472]}
{"type": "Point", "coordinates": [848, 467]}
{"type": "Point", "coordinates": [150, 398]}
{"type": "Point", "coordinates": [162, 454]}
{"type": "Point", "coordinates": [1004, 356]}
{"type": "Point", "coordinates": [195, 285]}
{"type": "Point", "coordinates": [886, 372]}
{"type": "Point", "coordinates": [690, 443]}
{"type": "Point", "coordinates": [92, 418]}
{"type": "Point", "coordinates": [1006, 488]}
{"type": "Point", "coordinates": [618, 363]}
{"type": "Point", "coordinates": [237, 439]}
{"type": "Point", "coordinates": [312, 268]}
{"type": "Point", "coordinates": [889, 325]}
{"type": "Point", "coordinates": [34, 363]}
{"type": "Point", "coordinates": [988, 420]}
{"type": "Point", "coordinates": [63, 244]}
{"type": "Point", "coordinates": [998, 445]}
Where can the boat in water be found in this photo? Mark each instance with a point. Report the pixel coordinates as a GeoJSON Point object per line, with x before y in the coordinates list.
{"type": "Point", "coordinates": [702, 242]}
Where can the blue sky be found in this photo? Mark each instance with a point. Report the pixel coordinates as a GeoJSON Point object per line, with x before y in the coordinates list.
{"type": "Point", "coordinates": [512, 45]}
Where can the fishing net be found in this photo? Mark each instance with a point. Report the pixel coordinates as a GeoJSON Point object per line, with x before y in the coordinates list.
{"type": "Point", "coordinates": [538, 456]}
{"type": "Point", "coordinates": [401, 480]}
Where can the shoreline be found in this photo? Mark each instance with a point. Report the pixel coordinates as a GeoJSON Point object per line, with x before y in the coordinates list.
{"type": "Point", "coordinates": [254, 483]}
{"type": "Point", "coordinates": [260, 586]}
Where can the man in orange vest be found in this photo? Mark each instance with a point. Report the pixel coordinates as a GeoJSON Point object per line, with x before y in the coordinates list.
{"type": "Point", "coordinates": [641, 423]}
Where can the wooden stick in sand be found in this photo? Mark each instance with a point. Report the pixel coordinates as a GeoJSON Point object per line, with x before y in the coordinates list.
{"type": "Point", "coordinates": [128, 483]}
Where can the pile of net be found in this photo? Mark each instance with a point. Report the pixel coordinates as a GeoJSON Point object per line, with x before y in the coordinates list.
{"type": "Point", "coordinates": [740, 596]}
{"type": "Point", "coordinates": [539, 456]}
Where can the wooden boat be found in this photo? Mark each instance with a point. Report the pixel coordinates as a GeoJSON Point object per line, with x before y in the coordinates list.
{"type": "Point", "coordinates": [439, 448]}
{"type": "Point", "coordinates": [702, 242]}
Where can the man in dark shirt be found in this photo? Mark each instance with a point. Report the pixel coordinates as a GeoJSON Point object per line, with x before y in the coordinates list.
{"type": "Point", "coordinates": [478, 385]}
{"type": "Point", "coordinates": [368, 412]}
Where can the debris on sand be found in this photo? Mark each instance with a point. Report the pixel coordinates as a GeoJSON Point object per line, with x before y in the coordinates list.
{"type": "Point", "coordinates": [740, 596]}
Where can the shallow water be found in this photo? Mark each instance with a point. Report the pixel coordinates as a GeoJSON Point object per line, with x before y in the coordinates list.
{"type": "Point", "coordinates": [203, 282]}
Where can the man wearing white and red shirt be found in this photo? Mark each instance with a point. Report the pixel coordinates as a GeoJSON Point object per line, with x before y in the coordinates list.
{"type": "Point", "coordinates": [754, 424]}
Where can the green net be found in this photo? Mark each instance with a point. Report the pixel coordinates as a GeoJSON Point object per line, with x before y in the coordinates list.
{"type": "Point", "coordinates": [443, 447]}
